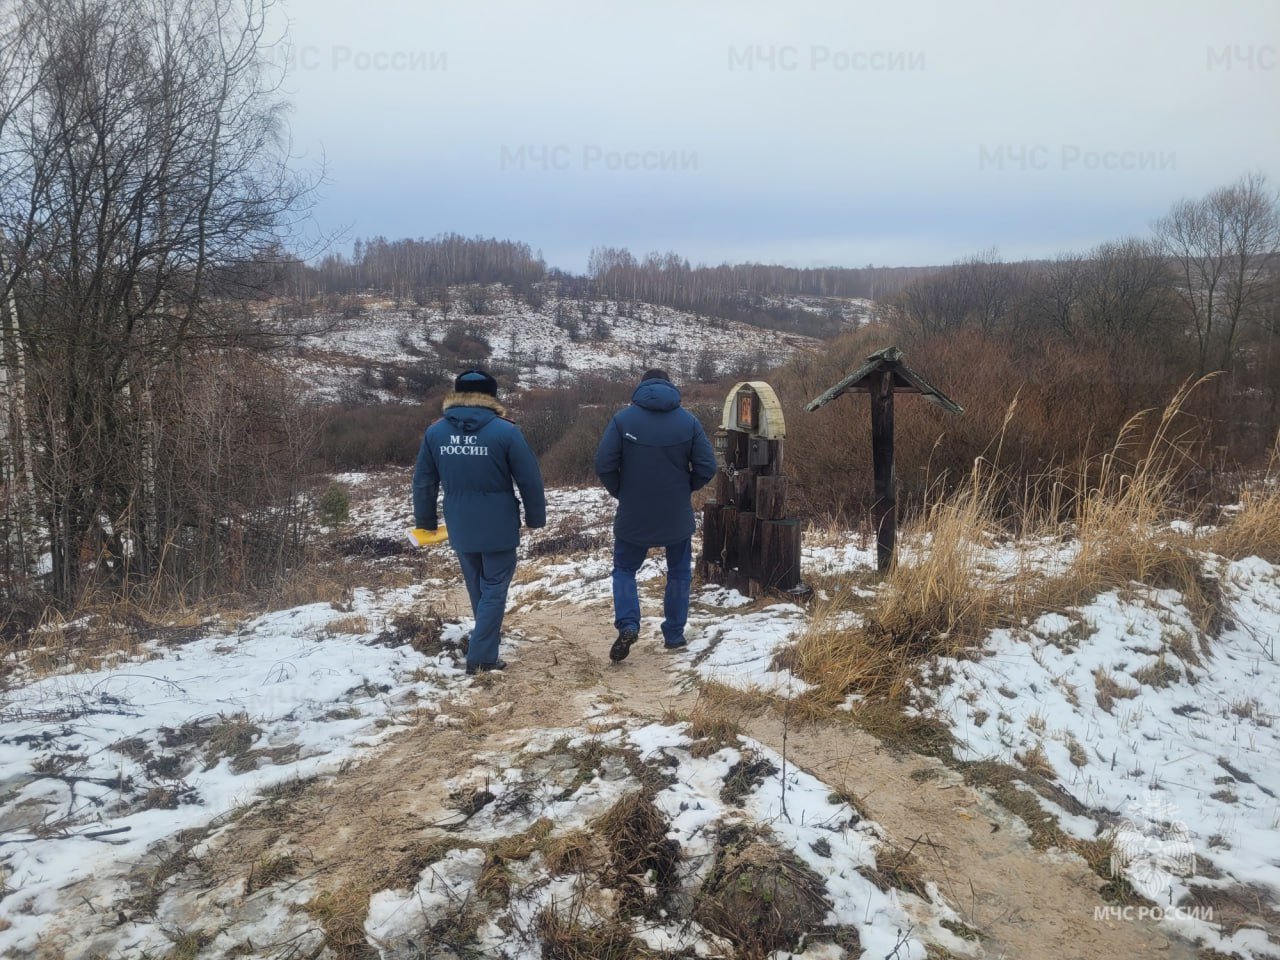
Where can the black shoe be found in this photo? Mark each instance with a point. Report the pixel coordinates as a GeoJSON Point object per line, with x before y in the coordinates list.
{"type": "Point", "coordinates": [678, 645]}
{"type": "Point", "coordinates": [622, 646]}
{"type": "Point", "coordinates": [474, 668]}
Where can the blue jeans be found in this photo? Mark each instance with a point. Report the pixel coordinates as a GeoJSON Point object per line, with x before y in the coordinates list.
{"type": "Point", "coordinates": [488, 576]}
{"type": "Point", "coordinates": [627, 558]}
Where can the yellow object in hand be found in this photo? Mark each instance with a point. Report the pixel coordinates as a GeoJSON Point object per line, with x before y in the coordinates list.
{"type": "Point", "coordinates": [420, 538]}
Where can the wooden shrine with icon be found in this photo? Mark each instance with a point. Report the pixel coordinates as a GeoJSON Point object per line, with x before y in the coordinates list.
{"type": "Point", "coordinates": [748, 542]}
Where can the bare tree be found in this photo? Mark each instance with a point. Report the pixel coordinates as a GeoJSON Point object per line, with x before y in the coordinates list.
{"type": "Point", "coordinates": [1223, 248]}
{"type": "Point", "coordinates": [977, 291]}
{"type": "Point", "coordinates": [148, 166]}
{"type": "Point", "coordinates": [1123, 288]}
{"type": "Point", "coordinates": [1054, 291]}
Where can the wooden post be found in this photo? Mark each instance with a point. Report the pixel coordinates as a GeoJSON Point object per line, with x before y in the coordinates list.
{"type": "Point", "coordinates": [712, 533]}
{"type": "Point", "coordinates": [771, 497]}
{"type": "Point", "coordinates": [780, 554]}
{"type": "Point", "coordinates": [884, 509]}
{"type": "Point", "coordinates": [747, 547]}
{"type": "Point", "coordinates": [729, 531]}
{"type": "Point", "coordinates": [744, 490]}
{"type": "Point", "coordinates": [722, 491]}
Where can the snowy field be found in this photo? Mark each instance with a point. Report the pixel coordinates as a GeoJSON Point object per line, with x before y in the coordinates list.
{"type": "Point", "coordinates": [1166, 741]}
{"type": "Point", "coordinates": [546, 345]}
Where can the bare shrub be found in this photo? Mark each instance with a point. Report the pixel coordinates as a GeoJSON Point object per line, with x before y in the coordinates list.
{"type": "Point", "coordinates": [374, 435]}
{"type": "Point", "coordinates": [466, 343]}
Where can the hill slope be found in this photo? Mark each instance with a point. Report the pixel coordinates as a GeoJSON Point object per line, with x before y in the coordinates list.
{"type": "Point", "coordinates": [324, 781]}
{"type": "Point", "coordinates": [380, 346]}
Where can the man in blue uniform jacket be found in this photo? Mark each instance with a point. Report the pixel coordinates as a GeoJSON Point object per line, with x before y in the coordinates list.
{"type": "Point", "coordinates": [478, 455]}
{"type": "Point", "coordinates": [652, 456]}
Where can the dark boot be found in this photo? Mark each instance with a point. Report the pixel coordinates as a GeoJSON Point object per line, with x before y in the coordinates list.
{"type": "Point", "coordinates": [473, 669]}
{"type": "Point", "coordinates": [622, 646]}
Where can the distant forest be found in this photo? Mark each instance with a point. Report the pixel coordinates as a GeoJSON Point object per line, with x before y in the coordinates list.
{"type": "Point", "coordinates": [423, 270]}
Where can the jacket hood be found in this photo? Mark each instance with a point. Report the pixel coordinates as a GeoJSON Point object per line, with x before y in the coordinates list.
{"type": "Point", "coordinates": [455, 399]}
{"type": "Point", "coordinates": [471, 411]}
{"type": "Point", "coordinates": [657, 395]}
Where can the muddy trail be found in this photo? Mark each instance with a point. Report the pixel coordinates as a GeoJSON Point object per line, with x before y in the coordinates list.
{"type": "Point", "coordinates": [1025, 903]}
{"type": "Point", "coordinates": [368, 828]}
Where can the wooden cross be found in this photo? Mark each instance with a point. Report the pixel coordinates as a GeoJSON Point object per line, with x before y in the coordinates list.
{"type": "Point", "coordinates": [883, 374]}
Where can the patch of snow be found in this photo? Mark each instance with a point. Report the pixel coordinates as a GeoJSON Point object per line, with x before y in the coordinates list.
{"type": "Point", "coordinates": [1184, 744]}
{"type": "Point", "coordinates": [124, 751]}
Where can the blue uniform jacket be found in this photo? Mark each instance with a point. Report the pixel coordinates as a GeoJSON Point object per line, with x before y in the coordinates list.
{"type": "Point", "coordinates": [652, 456]}
{"type": "Point", "coordinates": [478, 456]}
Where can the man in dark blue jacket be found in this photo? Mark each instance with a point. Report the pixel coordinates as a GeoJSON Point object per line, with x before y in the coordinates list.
{"type": "Point", "coordinates": [652, 456]}
{"type": "Point", "coordinates": [477, 454]}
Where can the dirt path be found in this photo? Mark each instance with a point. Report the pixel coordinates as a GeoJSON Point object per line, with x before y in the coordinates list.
{"type": "Point", "coordinates": [1028, 904]}
{"type": "Point", "coordinates": [368, 823]}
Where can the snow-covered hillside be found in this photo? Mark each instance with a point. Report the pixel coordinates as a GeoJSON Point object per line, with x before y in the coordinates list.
{"type": "Point", "coordinates": [544, 346]}
{"type": "Point", "coordinates": [325, 780]}
{"type": "Point", "coordinates": [852, 311]}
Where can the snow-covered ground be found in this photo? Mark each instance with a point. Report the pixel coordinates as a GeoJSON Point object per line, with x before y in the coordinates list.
{"type": "Point", "coordinates": [743, 787]}
{"type": "Point", "coordinates": [1163, 741]}
{"type": "Point", "coordinates": [106, 766]}
{"type": "Point", "coordinates": [562, 338]}
{"type": "Point", "coordinates": [852, 310]}
{"type": "Point", "coordinates": [100, 765]}
{"type": "Point", "coordinates": [1173, 748]}
{"type": "Point", "coordinates": [1168, 741]}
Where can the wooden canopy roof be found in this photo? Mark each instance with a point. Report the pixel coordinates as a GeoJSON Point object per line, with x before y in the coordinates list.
{"type": "Point", "coordinates": [905, 380]}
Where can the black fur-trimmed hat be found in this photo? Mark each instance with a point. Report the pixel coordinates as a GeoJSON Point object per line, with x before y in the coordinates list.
{"type": "Point", "coordinates": [475, 381]}
{"type": "Point", "coordinates": [657, 373]}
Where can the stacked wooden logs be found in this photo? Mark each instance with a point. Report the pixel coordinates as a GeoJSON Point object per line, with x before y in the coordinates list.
{"type": "Point", "coordinates": [747, 541]}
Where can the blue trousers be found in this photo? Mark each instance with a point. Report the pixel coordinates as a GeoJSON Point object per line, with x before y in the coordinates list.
{"type": "Point", "coordinates": [488, 576]}
{"type": "Point", "coordinates": [627, 558]}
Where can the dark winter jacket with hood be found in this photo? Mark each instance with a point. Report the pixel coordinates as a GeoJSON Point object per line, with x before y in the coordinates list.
{"type": "Point", "coordinates": [480, 457]}
{"type": "Point", "coordinates": [652, 456]}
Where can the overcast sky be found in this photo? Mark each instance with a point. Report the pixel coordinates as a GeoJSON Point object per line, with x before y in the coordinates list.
{"type": "Point", "coordinates": [788, 131]}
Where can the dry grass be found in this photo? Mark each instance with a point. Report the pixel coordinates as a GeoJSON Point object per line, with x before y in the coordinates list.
{"type": "Point", "coordinates": [313, 584]}
{"type": "Point", "coordinates": [1107, 690]}
{"type": "Point", "coordinates": [269, 869]}
{"type": "Point", "coordinates": [935, 604]}
{"type": "Point", "coordinates": [1035, 760]}
{"type": "Point", "coordinates": [721, 699]}
{"type": "Point", "coordinates": [759, 896]}
{"type": "Point", "coordinates": [898, 867]}
{"type": "Point", "coordinates": [715, 721]}
{"type": "Point", "coordinates": [353, 626]}
{"type": "Point", "coordinates": [573, 852]}
{"type": "Point", "coordinates": [1120, 523]}
{"type": "Point", "coordinates": [1254, 529]}
{"type": "Point", "coordinates": [230, 736]}
{"type": "Point", "coordinates": [1237, 906]}
{"type": "Point", "coordinates": [945, 599]}
{"type": "Point", "coordinates": [495, 876]}
{"type": "Point", "coordinates": [568, 938]}
{"type": "Point", "coordinates": [341, 912]}
{"type": "Point", "coordinates": [635, 833]}
{"type": "Point", "coordinates": [187, 946]}
{"type": "Point", "coordinates": [100, 634]}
